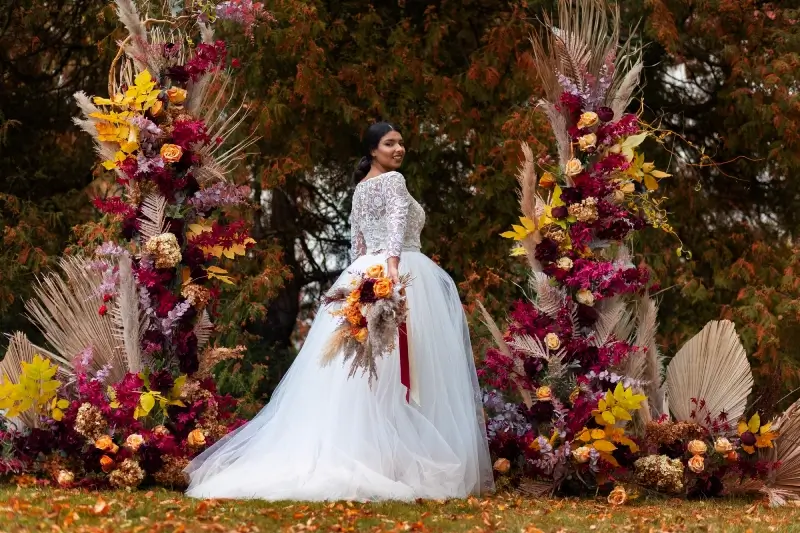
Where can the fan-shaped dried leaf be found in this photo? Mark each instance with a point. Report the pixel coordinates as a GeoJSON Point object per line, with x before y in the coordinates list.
{"type": "Point", "coordinates": [153, 221]}
{"type": "Point", "coordinates": [130, 322]}
{"type": "Point", "coordinates": [712, 367]}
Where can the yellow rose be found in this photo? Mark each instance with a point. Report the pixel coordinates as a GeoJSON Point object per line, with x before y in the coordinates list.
{"type": "Point", "coordinates": [585, 297]}
{"type": "Point", "coordinates": [196, 438]}
{"type": "Point", "coordinates": [65, 477]}
{"type": "Point", "coordinates": [547, 180]}
{"type": "Point", "coordinates": [354, 297]}
{"type": "Point", "coordinates": [697, 464]}
{"type": "Point", "coordinates": [582, 454]}
{"type": "Point", "coordinates": [106, 444]}
{"type": "Point", "coordinates": [573, 168]}
{"type": "Point", "coordinates": [156, 108]}
{"type": "Point", "coordinates": [375, 271]}
{"type": "Point", "coordinates": [383, 288]}
{"type": "Point", "coordinates": [552, 341]}
{"type": "Point", "coordinates": [502, 465]}
{"type": "Point", "coordinates": [697, 447]}
{"type": "Point", "coordinates": [564, 263]}
{"type": "Point", "coordinates": [723, 445]}
{"type": "Point", "coordinates": [588, 120]}
{"type": "Point", "coordinates": [134, 441]}
{"type": "Point", "coordinates": [160, 431]}
{"type": "Point", "coordinates": [544, 393]}
{"type": "Point", "coordinates": [587, 142]}
{"type": "Point", "coordinates": [171, 153]}
{"type": "Point", "coordinates": [176, 95]}
{"type": "Point", "coordinates": [618, 496]}
{"type": "Point", "coordinates": [362, 334]}
{"type": "Point", "coordinates": [107, 464]}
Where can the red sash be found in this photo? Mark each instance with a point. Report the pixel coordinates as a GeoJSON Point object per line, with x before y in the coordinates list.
{"type": "Point", "coordinates": [405, 370]}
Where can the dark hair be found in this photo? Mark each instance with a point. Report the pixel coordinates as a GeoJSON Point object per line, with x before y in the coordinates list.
{"type": "Point", "coordinates": [372, 138]}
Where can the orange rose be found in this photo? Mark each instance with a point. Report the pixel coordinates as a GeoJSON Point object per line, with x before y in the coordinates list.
{"type": "Point", "coordinates": [157, 108]}
{"type": "Point", "coordinates": [361, 336]}
{"type": "Point", "coordinates": [547, 180]}
{"type": "Point", "coordinates": [106, 444]}
{"type": "Point", "coordinates": [618, 496]}
{"type": "Point", "coordinates": [171, 153]}
{"type": "Point", "coordinates": [383, 288]}
{"type": "Point", "coordinates": [354, 315]}
{"type": "Point", "coordinates": [176, 95]}
{"type": "Point", "coordinates": [502, 465]}
{"type": "Point", "coordinates": [354, 297]}
{"type": "Point", "coordinates": [544, 393]}
{"type": "Point", "coordinates": [107, 464]}
{"type": "Point", "coordinates": [196, 438]}
{"type": "Point", "coordinates": [697, 464]}
{"type": "Point", "coordinates": [375, 271]}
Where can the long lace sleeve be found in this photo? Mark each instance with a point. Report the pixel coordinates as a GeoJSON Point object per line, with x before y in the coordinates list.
{"type": "Point", "coordinates": [397, 202]}
{"type": "Point", "coordinates": [358, 246]}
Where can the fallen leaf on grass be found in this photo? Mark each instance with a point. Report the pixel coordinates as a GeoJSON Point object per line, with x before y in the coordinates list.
{"type": "Point", "coordinates": [101, 507]}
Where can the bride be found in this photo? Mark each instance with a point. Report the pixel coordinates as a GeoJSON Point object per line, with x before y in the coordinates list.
{"type": "Point", "coordinates": [324, 436]}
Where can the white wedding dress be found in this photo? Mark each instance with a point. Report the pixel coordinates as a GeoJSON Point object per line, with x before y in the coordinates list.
{"type": "Point", "coordinates": [324, 436]}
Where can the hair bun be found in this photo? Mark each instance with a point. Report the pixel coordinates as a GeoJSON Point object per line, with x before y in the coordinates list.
{"type": "Point", "coordinates": [362, 169]}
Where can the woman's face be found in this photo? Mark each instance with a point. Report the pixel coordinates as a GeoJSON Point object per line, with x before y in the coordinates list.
{"type": "Point", "coordinates": [390, 152]}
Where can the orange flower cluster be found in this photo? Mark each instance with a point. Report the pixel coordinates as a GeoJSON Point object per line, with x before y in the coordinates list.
{"type": "Point", "coordinates": [374, 286]}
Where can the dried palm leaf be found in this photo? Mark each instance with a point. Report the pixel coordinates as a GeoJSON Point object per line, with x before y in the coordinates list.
{"type": "Point", "coordinates": [559, 125]}
{"type": "Point", "coordinates": [652, 369]}
{"type": "Point", "coordinates": [784, 482]}
{"type": "Point", "coordinates": [609, 314]}
{"type": "Point", "coordinates": [129, 320]}
{"type": "Point", "coordinates": [549, 298]}
{"type": "Point", "coordinates": [66, 312]}
{"type": "Point", "coordinates": [153, 221]}
{"type": "Point", "coordinates": [526, 176]}
{"type": "Point", "coordinates": [711, 367]}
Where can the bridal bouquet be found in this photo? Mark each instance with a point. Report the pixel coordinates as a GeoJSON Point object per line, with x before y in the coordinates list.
{"type": "Point", "coordinates": [372, 308]}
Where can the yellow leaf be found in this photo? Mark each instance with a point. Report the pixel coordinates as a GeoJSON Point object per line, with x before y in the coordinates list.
{"type": "Point", "coordinates": [62, 403]}
{"type": "Point", "coordinates": [650, 182]}
{"type": "Point", "coordinates": [518, 250]}
{"type": "Point", "coordinates": [620, 413]}
{"type": "Point", "coordinates": [598, 434]}
{"type": "Point", "coordinates": [584, 436]}
{"type": "Point", "coordinates": [115, 405]}
{"type": "Point", "coordinates": [508, 234]}
{"type": "Point", "coordinates": [527, 223]}
{"type": "Point", "coordinates": [765, 428]}
{"type": "Point", "coordinates": [601, 405]}
{"type": "Point", "coordinates": [754, 423]}
{"type": "Point", "coordinates": [216, 270]}
{"type": "Point", "coordinates": [603, 446]}
{"type": "Point", "coordinates": [177, 386]}
{"type": "Point", "coordinates": [634, 140]}
{"type": "Point", "coordinates": [196, 229]}
{"type": "Point", "coordinates": [607, 457]}
{"type": "Point", "coordinates": [57, 414]}
{"type": "Point", "coordinates": [146, 402]}
{"type": "Point", "coordinates": [609, 418]}
{"type": "Point", "coordinates": [659, 175]}
{"type": "Point", "coordinates": [742, 426]}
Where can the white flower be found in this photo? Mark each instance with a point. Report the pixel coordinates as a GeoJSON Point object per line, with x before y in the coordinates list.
{"type": "Point", "coordinates": [573, 168]}
{"type": "Point", "coordinates": [552, 341]}
{"type": "Point", "coordinates": [585, 297]}
{"type": "Point", "coordinates": [564, 263]}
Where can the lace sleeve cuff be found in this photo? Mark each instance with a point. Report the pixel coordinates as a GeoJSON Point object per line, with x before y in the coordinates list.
{"type": "Point", "coordinates": [397, 202]}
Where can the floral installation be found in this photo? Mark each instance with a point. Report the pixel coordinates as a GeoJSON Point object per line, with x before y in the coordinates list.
{"type": "Point", "coordinates": [125, 396]}
{"type": "Point", "coordinates": [372, 309]}
{"type": "Point", "coordinates": [577, 389]}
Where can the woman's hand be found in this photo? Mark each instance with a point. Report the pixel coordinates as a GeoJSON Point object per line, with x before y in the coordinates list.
{"type": "Point", "coordinates": [394, 269]}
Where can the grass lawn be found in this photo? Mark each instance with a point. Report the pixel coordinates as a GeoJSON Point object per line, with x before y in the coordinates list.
{"type": "Point", "coordinates": [53, 510]}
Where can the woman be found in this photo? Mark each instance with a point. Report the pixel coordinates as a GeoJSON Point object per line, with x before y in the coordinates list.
{"type": "Point", "coordinates": [325, 436]}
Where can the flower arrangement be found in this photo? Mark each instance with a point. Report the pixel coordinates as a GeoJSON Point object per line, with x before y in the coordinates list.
{"type": "Point", "coordinates": [126, 394]}
{"type": "Point", "coordinates": [372, 309]}
{"type": "Point", "coordinates": [581, 354]}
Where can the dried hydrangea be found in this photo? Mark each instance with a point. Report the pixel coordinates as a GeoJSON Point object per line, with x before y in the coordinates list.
{"type": "Point", "coordinates": [557, 234]}
{"type": "Point", "coordinates": [212, 356]}
{"type": "Point", "coordinates": [658, 434]}
{"type": "Point", "coordinates": [128, 475]}
{"type": "Point", "coordinates": [171, 473]}
{"type": "Point", "coordinates": [197, 295]}
{"type": "Point", "coordinates": [660, 472]}
{"type": "Point", "coordinates": [586, 211]}
{"type": "Point", "coordinates": [164, 249]}
{"type": "Point", "coordinates": [89, 422]}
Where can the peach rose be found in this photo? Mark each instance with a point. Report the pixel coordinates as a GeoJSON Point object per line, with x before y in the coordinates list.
{"type": "Point", "coordinates": [196, 438]}
{"type": "Point", "coordinates": [107, 464]}
{"type": "Point", "coordinates": [585, 297]}
{"type": "Point", "coordinates": [176, 95]}
{"type": "Point", "coordinates": [134, 441]}
{"type": "Point", "coordinates": [588, 119]}
{"type": "Point", "coordinates": [362, 334]}
{"type": "Point", "coordinates": [582, 454]}
{"type": "Point", "coordinates": [618, 496]}
{"type": "Point", "coordinates": [65, 477]}
{"type": "Point", "coordinates": [354, 297]}
{"type": "Point", "coordinates": [547, 180]}
{"type": "Point", "coordinates": [573, 168]}
{"type": "Point", "coordinates": [375, 271]}
{"type": "Point", "coordinates": [697, 447]}
{"type": "Point", "coordinates": [723, 445]}
{"type": "Point", "coordinates": [552, 341]}
{"type": "Point", "coordinates": [544, 393]}
{"type": "Point", "coordinates": [160, 430]}
{"type": "Point", "coordinates": [106, 444]}
{"type": "Point", "coordinates": [502, 465]}
{"type": "Point", "coordinates": [697, 464]}
{"type": "Point", "coordinates": [587, 142]}
{"type": "Point", "coordinates": [171, 153]}
{"type": "Point", "coordinates": [383, 288]}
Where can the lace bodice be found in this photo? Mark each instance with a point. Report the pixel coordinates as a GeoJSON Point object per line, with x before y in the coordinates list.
{"type": "Point", "coordinates": [385, 218]}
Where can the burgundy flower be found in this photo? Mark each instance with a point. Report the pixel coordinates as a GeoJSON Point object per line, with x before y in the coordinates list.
{"type": "Point", "coordinates": [605, 114]}
{"type": "Point", "coordinates": [547, 251]}
{"type": "Point", "coordinates": [559, 212]}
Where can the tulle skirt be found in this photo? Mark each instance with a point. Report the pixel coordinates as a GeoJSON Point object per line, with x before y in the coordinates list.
{"type": "Point", "coordinates": [324, 436]}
